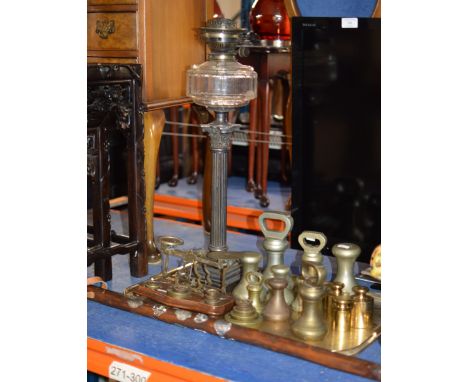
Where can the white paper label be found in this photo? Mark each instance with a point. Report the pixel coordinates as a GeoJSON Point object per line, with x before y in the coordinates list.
{"type": "Point", "coordinates": [349, 22]}
{"type": "Point", "coordinates": [126, 373]}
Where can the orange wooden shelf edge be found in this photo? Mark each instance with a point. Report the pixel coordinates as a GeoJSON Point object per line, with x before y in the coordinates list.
{"type": "Point", "coordinates": [237, 217]}
{"type": "Point", "coordinates": [101, 355]}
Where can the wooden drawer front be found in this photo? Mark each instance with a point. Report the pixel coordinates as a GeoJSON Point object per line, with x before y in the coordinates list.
{"type": "Point", "coordinates": [112, 31]}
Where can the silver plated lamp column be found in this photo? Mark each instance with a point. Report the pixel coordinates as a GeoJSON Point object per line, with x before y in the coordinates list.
{"type": "Point", "coordinates": [221, 84]}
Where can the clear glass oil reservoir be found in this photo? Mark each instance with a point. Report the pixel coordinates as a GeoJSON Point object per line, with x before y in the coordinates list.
{"type": "Point", "coordinates": [221, 84]}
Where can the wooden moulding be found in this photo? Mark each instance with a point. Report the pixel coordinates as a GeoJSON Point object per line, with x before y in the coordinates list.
{"type": "Point", "coordinates": [310, 353]}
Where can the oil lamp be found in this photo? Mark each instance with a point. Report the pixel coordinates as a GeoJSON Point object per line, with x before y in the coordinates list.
{"type": "Point", "coordinates": [221, 84]}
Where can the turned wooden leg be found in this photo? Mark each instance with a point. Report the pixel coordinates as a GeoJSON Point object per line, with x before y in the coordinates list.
{"type": "Point", "coordinates": [175, 148]}
{"type": "Point", "coordinates": [192, 179]}
{"type": "Point", "coordinates": [258, 154]}
{"type": "Point", "coordinates": [265, 127]}
{"type": "Point", "coordinates": [287, 127]}
{"type": "Point", "coordinates": [154, 124]}
{"type": "Point", "coordinates": [250, 187]}
{"type": "Point", "coordinates": [284, 148]}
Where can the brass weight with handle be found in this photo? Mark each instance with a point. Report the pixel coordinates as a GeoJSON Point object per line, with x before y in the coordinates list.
{"type": "Point", "coordinates": [275, 244]}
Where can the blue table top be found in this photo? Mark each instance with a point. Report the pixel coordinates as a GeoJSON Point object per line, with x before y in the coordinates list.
{"type": "Point", "coordinates": [200, 351]}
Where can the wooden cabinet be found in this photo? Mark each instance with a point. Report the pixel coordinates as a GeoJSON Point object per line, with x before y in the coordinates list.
{"type": "Point", "coordinates": [161, 36]}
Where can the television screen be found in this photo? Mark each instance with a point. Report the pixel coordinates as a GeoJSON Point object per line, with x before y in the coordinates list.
{"type": "Point", "coordinates": [336, 130]}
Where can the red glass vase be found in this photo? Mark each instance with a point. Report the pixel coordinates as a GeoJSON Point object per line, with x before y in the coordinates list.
{"type": "Point", "coordinates": [269, 19]}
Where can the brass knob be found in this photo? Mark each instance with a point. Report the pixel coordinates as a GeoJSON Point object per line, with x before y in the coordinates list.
{"type": "Point", "coordinates": [360, 292]}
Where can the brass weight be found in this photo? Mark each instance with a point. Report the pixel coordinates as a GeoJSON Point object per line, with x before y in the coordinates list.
{"type": "Point", "coordinates": [346, 255]}
{"type": "Point", "coordinates": [250, 263]}
{"type": "Point", "coordinates": [363, 308]}
{"type": "Point", "coordinates": [243, 314]}
{"type": "Point", "coordinates": [335, 289]}
{"type": "Point", "coordinates": [342, 313]}
{"type": "Point", "coordinates": [313, 271]}
{"type": "Point", "coordinates": [275, 243]}
{"type": "Point", "coordinates": [254, 288]}
{"type": "Point", "coordinates": [310, 325]}
{"type": "Point", "coordinates": [282, 271]}
{"type": "Point", "coordinates": [276, 309]}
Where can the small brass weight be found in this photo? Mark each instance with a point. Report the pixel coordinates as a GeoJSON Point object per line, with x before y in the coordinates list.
{"type": "Point", "coordinates": [363, 308]}
{"type": "Point", "coordinates": [250, 262]}
{"type": "Point", "coordinates": [276, 309]}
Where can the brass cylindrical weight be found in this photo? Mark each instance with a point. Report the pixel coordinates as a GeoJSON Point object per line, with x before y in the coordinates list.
{"type": "Point", "coordinates": [342, 313]}
{"type": "Point", "coordinates": [363, 308]}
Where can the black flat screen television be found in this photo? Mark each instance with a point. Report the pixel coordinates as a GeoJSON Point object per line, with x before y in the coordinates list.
{"type": "Point", "coordinates": [336, 130]}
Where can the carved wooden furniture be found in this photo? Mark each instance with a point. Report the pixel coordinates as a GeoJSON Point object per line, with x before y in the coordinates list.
{"type": "Point", "coordinates": [114, 100]}
{"type": "Point", "coordinates": [160, 35]}
{"type": "Point", "coordinates": [267, 62]}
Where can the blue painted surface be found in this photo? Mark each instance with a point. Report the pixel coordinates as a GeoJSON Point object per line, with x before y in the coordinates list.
{"type": "Point", "coordinates": [203, 352]}
{"type": "Point", "coordinates": [336, 8]}
{"type": "Point", "coordinates": [237, 195]}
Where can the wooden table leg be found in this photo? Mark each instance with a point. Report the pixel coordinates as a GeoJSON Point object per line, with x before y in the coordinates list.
{"type": "Point", "coordinates": [192, 179]}
{"type": "Point", "coordinates": [154, 125]}
{"type": "Point", "coordinates": [258, 192]}
{"type": "Point", "coordinates": [288, 131]}
{"type": "Point", "coordinates": [250, 187]}
{"type": "Point", "coordinates": [101, 208]}
{"type": "Point", "coordinates": [138, 258]}
{"type": "Point", "coordinates": [175, 147]}
{"type": "Point", "coordinates": [265, 147]}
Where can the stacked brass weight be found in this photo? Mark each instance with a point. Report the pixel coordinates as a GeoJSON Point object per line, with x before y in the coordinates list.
{"type": "Point", "coordinates": [362, 309]}
{"type": "Point", "coordinates": [334, 289]}
{"type": "Point", "coordinates": [243, 314]}
{"type": "Point", "coordinates": [275, 244]}
{"type": "Point", "coordinates": [179, 291]}
{"type": "Point", "coordinates": [250, 262]}
{"type": "Point", "coordinates": [312, 255]}
{"type": "Point", "coordinates": [212, 296]}
{"type": "Point", "coordinates": [282, 271]}
{"type": "Point", "coordinates": [310, 325]}
{"type": "Point", "coordinates": [312, 271]}
{"type": "Point", "coordinates": [254, 287]}
{"type": "Point", "coordinates": [346, 255]}
{"type": "Point", "coordinates": [276, 308]}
